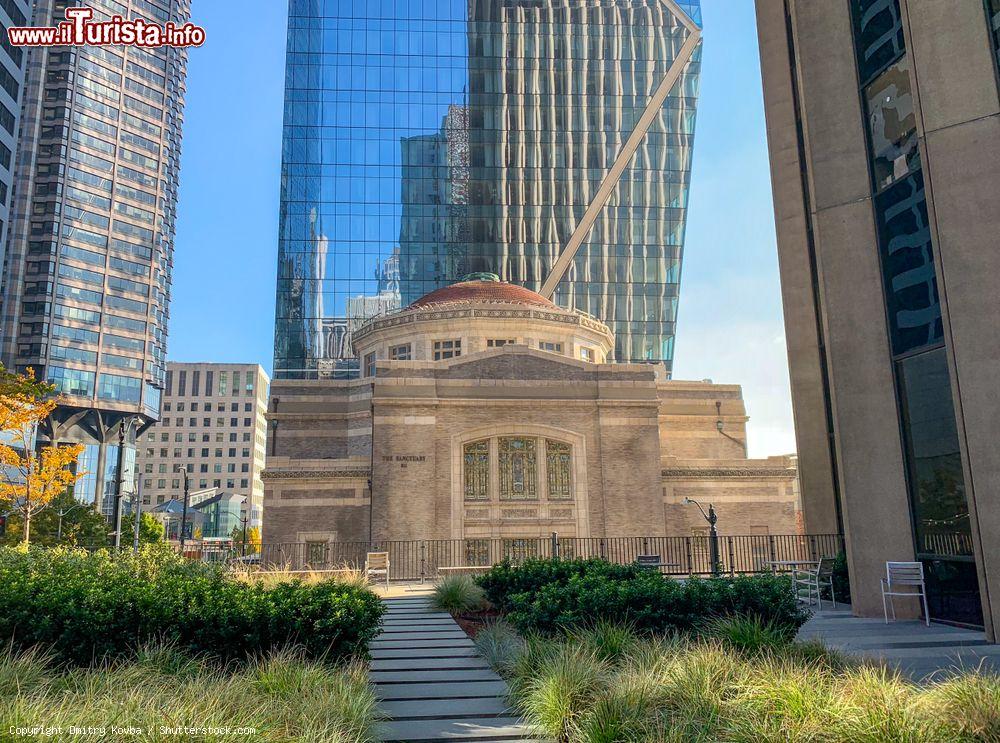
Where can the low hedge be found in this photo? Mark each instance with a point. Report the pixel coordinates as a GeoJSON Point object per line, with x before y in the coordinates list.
{"type": "Point", "coordinates": [579, 593]}
{"type": "Point", "coordinates": [505, 580]}
{"type": "Point", "coordinates": [89, 607]}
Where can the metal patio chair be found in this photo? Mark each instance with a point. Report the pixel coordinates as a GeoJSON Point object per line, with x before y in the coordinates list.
{"type": "Point", "coordinates": [904, 575]}
{"type": "Point", "coordinates": [377, 565]}
{"type": "Point", "coordinates": [810, 582]}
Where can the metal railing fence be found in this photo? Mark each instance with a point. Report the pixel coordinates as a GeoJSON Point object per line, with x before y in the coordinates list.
{"type": "Point", "coordinates": [424, 558]}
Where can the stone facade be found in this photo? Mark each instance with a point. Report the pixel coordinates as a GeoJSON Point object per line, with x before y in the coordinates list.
{"type": "Point", "coordinates": [868, 467]}
{"type": "Point", "coordinates": [510, 440]}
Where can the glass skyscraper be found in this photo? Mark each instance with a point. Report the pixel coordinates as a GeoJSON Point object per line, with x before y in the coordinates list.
{"type": "Point", "coordinates": [546, 141]}
{"type": "Point", "coordinates": [87, 271]}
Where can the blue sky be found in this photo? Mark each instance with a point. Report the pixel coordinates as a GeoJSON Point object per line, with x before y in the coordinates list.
{"type": "Point", "coordinates": [730, 324]}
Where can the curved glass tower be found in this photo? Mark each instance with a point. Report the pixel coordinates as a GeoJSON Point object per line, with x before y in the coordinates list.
{"type": "Point", "coordinates": [546, 141]}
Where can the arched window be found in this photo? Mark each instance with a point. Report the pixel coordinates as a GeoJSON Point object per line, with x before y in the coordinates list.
{"type": "Point", "coordinates": [511, 468]}
{"type": "Point", "coordinates": [477, 470]}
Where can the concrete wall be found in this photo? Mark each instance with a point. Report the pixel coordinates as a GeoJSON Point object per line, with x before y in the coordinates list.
{"type": "Point", "coordinates": [870, 468]}
{"type": "Point", "coordinates": [803, 331]}
{"type": "Point", "coordinates": [814, 82]}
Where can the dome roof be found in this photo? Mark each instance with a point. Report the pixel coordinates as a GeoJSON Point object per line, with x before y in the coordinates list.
{"type": "Point", "coordinates": [482, 288]}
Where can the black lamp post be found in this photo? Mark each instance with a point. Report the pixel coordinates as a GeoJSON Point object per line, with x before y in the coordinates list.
{"type": "Point", "coordinates": [184, 511]}
{"type": "Point", "coordinates": [713, 537]}
{"type": "Point", "coordinates": [123, 431]}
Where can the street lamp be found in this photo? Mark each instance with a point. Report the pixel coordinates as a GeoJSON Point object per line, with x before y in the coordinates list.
{"type": "Point", "coordinates": [713, 539]}
{"type": "Point", "coordinates": [63, 512]}
{"type": "Point", "coordinates": [123, 431]}
{"type": "Point", "coordinates": [184, 511]}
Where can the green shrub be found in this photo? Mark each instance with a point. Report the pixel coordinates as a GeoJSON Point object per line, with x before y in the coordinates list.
{"type": "Point", "coordinates": [457, 594]}
{"type": "Point", "coordinates": [573, 594]}
{"type": "Point", "coordinates": [505, 580]}
{"type": "Point", "coordinates": [841, 580]}
{"type": "Point", "coordinates": [89, 607]}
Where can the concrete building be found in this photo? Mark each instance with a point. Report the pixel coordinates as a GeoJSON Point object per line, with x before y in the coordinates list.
{"type": "Point", "coordinates": [86, 283]}
{"type": "Point", "coordinates": [213, 426]}
{"type": "Point", "coordinates": [485, 411]}
{"type": "Point", "coordinates": [883, 121]}
{"type": "Point", "coordinates": [12, 71]}
{"type": "Point", "coordinates": [548, 143]}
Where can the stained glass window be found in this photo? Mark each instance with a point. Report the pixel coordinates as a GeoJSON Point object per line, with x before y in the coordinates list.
{"type": "Point", "coordinates": [518, 469]}
{"type": "Point", "coordinates": [557, 462]}
{"type": "Point", "coordinates": [477, 470]}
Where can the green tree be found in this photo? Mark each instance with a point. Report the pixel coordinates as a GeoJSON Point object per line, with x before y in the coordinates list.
{"type": "Point", "coordinates": [252, 534]}
{"type": "Point", "coordinates": [82, 525]}
{"type": "Point", "coordinates": [151, 531]}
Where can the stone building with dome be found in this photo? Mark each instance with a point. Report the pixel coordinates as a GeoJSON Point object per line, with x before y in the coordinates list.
{"type": "Point", "coordinates": [486, 411]}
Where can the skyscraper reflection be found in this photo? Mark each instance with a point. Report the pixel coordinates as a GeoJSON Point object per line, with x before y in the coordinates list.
{"type": "Point", "coordinates": [449, 137]}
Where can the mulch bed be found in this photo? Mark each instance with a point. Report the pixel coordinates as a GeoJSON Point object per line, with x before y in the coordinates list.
{"type": "Point", "coordinates": [473, 621]}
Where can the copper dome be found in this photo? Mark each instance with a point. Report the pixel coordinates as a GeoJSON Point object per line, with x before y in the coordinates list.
{"type": "Point", "coordinates": [482, 288]}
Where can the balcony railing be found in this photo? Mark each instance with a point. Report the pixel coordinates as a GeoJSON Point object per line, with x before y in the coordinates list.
{"type": "Point", "coordinates": [424, 558]}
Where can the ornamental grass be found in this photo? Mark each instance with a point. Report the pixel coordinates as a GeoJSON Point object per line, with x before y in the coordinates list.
{"type": "Point", "coordinates": [734, 680]}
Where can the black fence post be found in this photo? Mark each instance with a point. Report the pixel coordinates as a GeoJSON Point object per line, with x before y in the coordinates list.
{"type": "Point", "coordinates": [423, 561]}
{"type": "Point", "coordinates": [687, 550]}
{"type": "Point", "coordinates": [555, 544]}
{"type": "Point", "coordinates": [603, 548]}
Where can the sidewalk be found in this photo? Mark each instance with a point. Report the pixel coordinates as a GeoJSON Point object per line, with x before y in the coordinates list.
{"type": "Point", "coordinates": [919, 651]}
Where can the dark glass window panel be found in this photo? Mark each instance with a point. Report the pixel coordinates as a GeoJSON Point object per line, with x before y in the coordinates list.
{"type": "Point", "coordinates": [892, 125]}
{"type": "Point", "coordinates": [953, 591]}
{"type": "Point", "coordinates": [993, 17]}
{"type": "Point", "coordinates": [908, 269]}
{"type": "Point", "coordinates": [878, 34]}
{"type": "Point", "coordinates": [937, 483]}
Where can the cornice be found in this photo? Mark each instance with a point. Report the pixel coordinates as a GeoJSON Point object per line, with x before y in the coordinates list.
{"type": "Point", "coordinates": [313, 474]}
{"type": "Point", "coordinates": [726, 473]}
{"type": "Point", "coordinates": [507, 312]}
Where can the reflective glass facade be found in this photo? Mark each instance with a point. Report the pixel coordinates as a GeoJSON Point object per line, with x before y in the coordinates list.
{"type": "Point", "coordinates": [426, 141]}
{"type": "Point", "coordinates": [87, 287]}
{"type": "Point", "coordinates": [936, 481]}
{"type": "Point", "coordinates": [993, 17]}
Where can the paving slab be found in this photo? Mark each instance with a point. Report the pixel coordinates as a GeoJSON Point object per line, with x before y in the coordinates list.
{"type": "Point", "coordinates": [420, 622]}
{"type": "Point", "coordinates": [921, 652]}
{"type": "Point", "coordinates": [493, 728]}
{"type": "Point", "coordinates": [435, 642]}
{"type": "Point", "coordinates": [412, 677]}
{"type": "Point", "coordinates": [442, 690]}
{"type": "Point", "coordinates": [421, 635]}
{"type": "Point", "coordinates": [428, 664]}
{"type": "Point", "coordinates": [460, 652]}
{"type": "Point", "coordinates": [406, 709]}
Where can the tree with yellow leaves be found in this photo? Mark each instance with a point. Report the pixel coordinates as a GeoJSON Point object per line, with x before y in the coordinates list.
{"type": "Point", "coordinates": [30, 479]}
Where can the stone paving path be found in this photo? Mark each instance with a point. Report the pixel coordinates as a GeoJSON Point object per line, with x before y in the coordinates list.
{"type": "Point", "coordinates": [919, 651]}
{"type": "Point", "coordinates": [432, 683]}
